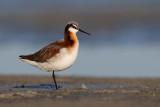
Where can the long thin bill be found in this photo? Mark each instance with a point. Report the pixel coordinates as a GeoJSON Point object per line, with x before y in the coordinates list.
{"type": "Point", "coordinates": [84, 32]}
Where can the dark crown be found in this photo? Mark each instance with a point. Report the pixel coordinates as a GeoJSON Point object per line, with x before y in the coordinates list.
{"type": "Point", "coordinates": [72, 24]}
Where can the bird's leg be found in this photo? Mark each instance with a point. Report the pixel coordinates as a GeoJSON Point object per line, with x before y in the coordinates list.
{"type": "Point", "coordinates": [54, 78]}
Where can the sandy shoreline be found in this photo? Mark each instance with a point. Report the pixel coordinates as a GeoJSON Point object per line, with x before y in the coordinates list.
{"type": "Point", "coordinates": [78, 91]}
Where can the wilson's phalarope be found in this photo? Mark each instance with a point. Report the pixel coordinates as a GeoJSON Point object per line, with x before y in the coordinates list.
{"type": "Point", "coordinates": [59, 55]}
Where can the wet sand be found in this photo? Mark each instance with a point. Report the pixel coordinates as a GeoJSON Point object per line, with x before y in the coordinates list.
{"type": "Point", "coordinates": [36, 91]}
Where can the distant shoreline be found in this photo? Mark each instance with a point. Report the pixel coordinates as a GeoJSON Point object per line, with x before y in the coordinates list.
{"type": "Point", "coordinates": [103, 17]}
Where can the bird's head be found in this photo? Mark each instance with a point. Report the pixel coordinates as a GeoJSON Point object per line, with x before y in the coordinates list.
{"type": "Point", "coordinates": [73, 27]}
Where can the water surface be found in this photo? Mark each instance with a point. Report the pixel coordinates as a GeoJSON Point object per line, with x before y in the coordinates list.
{"type": "Point", "coordinates": [132, 51]}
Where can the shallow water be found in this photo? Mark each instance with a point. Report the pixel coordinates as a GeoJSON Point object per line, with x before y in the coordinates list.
{"type": "Point", "coordinates": [129, 51]}
{"type": "Point", "coordinates": [67, 86]}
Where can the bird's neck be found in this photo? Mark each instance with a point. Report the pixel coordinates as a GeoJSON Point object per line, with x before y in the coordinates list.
{"type": "Point", "coordinates": [71, 39]}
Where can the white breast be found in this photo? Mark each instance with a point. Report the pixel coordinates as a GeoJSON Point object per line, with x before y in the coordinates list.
{"type": "Point", "coordinates": [63, 60]}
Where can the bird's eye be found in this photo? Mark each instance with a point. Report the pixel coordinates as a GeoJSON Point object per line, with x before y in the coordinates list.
{"type": "Point", "coordinates": [74, 26]}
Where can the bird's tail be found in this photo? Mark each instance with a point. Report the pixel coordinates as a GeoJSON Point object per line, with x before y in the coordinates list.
{"type": "Point", "coordinates": [25, 56]}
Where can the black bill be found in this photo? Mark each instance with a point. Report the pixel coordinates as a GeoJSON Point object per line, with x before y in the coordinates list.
{"type": "Point", "coordinates": [84, 32]}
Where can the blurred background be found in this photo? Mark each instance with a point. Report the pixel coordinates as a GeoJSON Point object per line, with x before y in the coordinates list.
{"type": "Point", "coordinates": [125, 38]}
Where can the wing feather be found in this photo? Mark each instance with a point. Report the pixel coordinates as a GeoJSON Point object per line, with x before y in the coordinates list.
{"type": "Point", "coordinates": [43, 54]}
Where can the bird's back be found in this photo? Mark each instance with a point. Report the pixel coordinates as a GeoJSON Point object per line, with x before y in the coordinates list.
{"type": "Point", "coordinates": [56, 56]}
{"type": "Point", "coordinates": [43, 54]}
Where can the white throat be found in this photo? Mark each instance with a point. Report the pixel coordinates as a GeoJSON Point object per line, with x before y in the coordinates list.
{"type": "Point", "coordinates": [73, 30]}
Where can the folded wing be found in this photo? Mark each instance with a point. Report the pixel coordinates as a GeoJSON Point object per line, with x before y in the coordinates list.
{"type": "Point", "coordinates": [43, 54]}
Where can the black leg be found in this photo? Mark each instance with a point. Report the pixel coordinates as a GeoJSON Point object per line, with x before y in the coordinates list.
{"type": "Point", "coordinates": [54, 78]}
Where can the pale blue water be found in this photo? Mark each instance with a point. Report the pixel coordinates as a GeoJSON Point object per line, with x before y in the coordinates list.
{"type": "Point", "coordinates": [123, 61]}
{"type": "Point", "coordinates": [127, 52]}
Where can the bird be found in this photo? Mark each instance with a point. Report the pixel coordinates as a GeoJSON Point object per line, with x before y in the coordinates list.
{"type": "Point", "coordinates": [58, 55]}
